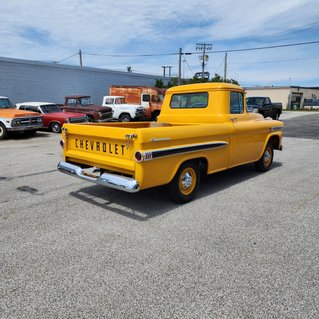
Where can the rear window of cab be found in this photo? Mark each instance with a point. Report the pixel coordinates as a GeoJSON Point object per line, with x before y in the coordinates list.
{"type": "Point", "coordinates": [189, 100]}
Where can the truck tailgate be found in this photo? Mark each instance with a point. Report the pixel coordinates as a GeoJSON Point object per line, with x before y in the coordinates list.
{"type": "Point", "coordinates": [105, 146]}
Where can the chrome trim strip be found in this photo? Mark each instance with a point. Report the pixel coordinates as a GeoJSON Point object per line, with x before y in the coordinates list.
{"type": "Point", "coordinates": [276, 128]}
{"type": "Point", "coordinates": [153, 154]}
{"type": "Point", "coordinates": [114, 181]}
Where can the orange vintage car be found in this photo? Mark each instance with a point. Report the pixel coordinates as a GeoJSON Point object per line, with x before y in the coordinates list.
{"type": "Point", "coordinates": [13, 120]}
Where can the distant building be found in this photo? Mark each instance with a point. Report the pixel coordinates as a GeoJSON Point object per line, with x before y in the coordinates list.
{"type": "Point", "coordinates": [24, 80]}
{"type": "Point", "coordinates": [291, 97]}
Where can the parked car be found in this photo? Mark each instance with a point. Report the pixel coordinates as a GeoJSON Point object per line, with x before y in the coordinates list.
{"type": "Point", "coordinates": [53, 116]}
{"type": "Point", "coordinates": [264, 106]}
{"type": "Point", "coordinates": [122, 110]}
{"type": "Point", "coordinates": [83, 104]}
{"type": "Point", "coordinates": [13, 120]}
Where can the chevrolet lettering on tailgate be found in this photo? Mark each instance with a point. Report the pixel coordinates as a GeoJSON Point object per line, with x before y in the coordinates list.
{"type": "Point", "coordinates": [94, 146]}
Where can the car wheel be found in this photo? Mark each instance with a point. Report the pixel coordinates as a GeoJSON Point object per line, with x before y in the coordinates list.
{"type": "Point", "coordinates": [276, 116]}
{"type": "Point", "coordinates": [185, 183]}
{"type": "Point", "coordinates": [125, 117]}
{"type": "Point", "coordinates": [265, 162]}
{"type": "Point", "coordinates": [56, 127]}
{"type": "Point", "coordinates": [155, 114]}
{"type": "Point", "coordinates": [3, 131]}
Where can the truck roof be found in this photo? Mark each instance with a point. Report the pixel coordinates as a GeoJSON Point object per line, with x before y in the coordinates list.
{"type": "Point", "coordinates": [114, 96]}
{"type": "Point", "coordinates": [160, 90]}
{"type": "Point", "coordinates": [204, 86]}
{"type": "Point", "coordinates": [76, 96]}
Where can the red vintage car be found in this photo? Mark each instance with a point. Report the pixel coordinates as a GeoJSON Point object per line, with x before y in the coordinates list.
{"type": "Point", "coordinates": [53, 116]}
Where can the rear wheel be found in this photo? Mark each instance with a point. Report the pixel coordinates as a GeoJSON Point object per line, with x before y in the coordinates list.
{"type": "Point", "coordinates": [3, 131]}
{"type": "Point", "coordinates": [55, 127]}
{"type": "Point", "coordinates": [185, 183]}
{"type": "Point", "coordinates": [276, 116]}
{"type": "Point", "coordinates": [264, 163]}
{"type": "Point", "coordinates": [155, 114]}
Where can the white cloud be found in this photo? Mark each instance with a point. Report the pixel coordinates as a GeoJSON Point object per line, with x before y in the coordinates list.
{"type": "Point", "coordinates": [146, 27]}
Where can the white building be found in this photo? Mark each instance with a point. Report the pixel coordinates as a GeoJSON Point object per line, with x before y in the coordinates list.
{"type": "Point", "coordinates": [291, 97]}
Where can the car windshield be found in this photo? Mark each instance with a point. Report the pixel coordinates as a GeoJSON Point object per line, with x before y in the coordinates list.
{"type": "Point", "coordinates": [50, 108]}
{"type": "Point", "coordinates": [85, 101]}
{"type": "Point", "coordinates": [255, 101]}
{"type": "Point", "coordinates": [109, 101]}
{"type": "Point", "coordinates": [5, 104]}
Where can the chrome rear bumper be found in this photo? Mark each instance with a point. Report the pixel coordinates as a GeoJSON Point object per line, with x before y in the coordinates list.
{"type": "Point", "coordinates": [119, 182]}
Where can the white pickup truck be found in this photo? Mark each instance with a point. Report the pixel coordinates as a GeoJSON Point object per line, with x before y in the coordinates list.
{"type": "Point", "coordinates": [123, 111]}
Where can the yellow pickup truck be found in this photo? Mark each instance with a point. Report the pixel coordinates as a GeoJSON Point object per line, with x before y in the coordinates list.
{"type": "Point", "coordinates": [202, 129]}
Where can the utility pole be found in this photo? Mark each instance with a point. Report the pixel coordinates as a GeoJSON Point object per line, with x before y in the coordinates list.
{"type": "Point", "coordinates": [164, 68]}
{"type": "Point", "coordinates": [169, 67]}
{"type": "Point", "coordinates": [80, 55]}
{"type": "Point", "coordinates": [204, 57]}
{"type": "Point", "coordinates": [225, 68]}
{"type": "Point", "coordinates": [180, 64]}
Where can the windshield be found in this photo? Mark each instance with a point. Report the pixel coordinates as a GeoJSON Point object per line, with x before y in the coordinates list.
{"type": "Point", "coordinates": [109, 101]}
{"type": "Point", "coordinates": [255, 101]}
{"type": "Point", "coordinates": [85, 101]}
{"type": "Point", "coordinates": [50, 108]}
{"type": "Point", "coordinates": [5, 104]}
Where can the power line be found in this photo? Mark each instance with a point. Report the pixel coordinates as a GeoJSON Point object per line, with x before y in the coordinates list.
{"type": "Point", "coordinates": [196, 52]}
{"type": "Point", "coordinates": [267, 47]}
{"type": "Point", "coordinates": [188, 53]}
{"type": "Point", "coordinates": [130, 55]}
{"type": "Point", "coordinates": [276, 61]}
{"type": "Point", "coordinates": [66, 58]}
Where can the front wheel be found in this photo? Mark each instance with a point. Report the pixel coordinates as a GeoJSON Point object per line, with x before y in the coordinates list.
{"type": "Point", "coordinates": [185, 183]}
{"type": "Point", "coordinates": [56, 127]}
{"type": "Point", "coordinates": [125, 117]}
{"type": "Point", "coordinates": [264, 163]}
{"type": "Point", "coordinates": [3, 131]}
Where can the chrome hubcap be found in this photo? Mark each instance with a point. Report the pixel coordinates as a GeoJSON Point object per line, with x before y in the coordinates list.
{"type": "Point", "coordinates": [187, 181]}
{"type": "Point", "coordinates": [267, 156]}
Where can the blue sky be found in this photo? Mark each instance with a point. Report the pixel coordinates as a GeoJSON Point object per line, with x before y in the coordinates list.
{"type": "Point", "coordinates": [116, 34]}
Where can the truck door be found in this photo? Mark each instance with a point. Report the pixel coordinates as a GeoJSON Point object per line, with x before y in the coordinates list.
{"type": "Point", "coordinates": [244, 140]}
{"type": "Point", "coordinates": [267, 107]}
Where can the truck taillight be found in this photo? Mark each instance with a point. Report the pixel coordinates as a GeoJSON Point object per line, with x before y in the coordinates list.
{"type": "Point", "coordinates": [138, 156]}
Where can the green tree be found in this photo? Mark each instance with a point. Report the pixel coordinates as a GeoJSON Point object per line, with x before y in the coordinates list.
{"type": "Point", "coordinates": [174, 81]}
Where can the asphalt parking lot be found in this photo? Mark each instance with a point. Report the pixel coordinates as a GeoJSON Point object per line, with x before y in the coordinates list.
{"type": "Point", "coordinates": [247, 247]}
